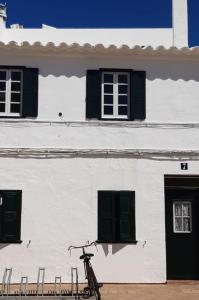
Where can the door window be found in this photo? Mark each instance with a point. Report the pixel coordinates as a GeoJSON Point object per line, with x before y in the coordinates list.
{"type": "Point", "coordinates": [182, 217]}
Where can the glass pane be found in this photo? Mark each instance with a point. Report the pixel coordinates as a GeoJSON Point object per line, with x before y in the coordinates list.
{"type": "Point", "coordinates": [186, 224]}
{"type": "Point", "coordinates": [178, 209]}
{"type": "Point", "coordinates": [15, 108]}
{"type": "Point", "coordinates": [2, 97]}
{"type": "Point", "coordinates": [122, 99]}
{"type": "Point", "coordinates": [2, 86]}
{"type": "Point", "coordinates": [108, 110]}
{"type": "Point", "coordinates": [108, 88]}
{"type": "Point", "coordinates": [2, 107]}
{"type": "Point", "coordinates": [15, 86]}
{"type": "Point", "coordinates": [108, 78]}
{"type": "Point", "coordinates": [108, 99]}
{"type": "Point", "coordinates": [15, 97]}
{"type": "Point", "coordinates": [16, 76]}
{"type": "Point", "coordinates": [186, 209]}
{"type": "Point", "coordinates": [122, 78]}
{"type": "Point", "coordinates": [122, 89]}
{"type": "Point", "coordinates": [178, 224]}
{"type": "Point", "coordinates": [122, 110]}
{"type": "Point", "coordinates": [2, 75]}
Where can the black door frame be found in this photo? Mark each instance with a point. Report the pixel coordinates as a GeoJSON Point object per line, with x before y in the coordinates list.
{"type": "Point", "coordinates": [189, 182]}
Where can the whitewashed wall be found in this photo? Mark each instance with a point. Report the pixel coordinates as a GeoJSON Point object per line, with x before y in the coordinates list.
{"type": "Point", "coordinates": [59, 200]}
{"type": "Point", "coordinates": [172, 86]}
{"type": "Point", "coordinates": [129, 36]}
{"type": "Point", "coordinates": [59, 208]}
{"type": "Point", "coordinates": [59, 205]}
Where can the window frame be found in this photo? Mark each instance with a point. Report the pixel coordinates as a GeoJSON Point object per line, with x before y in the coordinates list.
{"type": "Point", "coordinates": [117, 218]}
{"type": "Point", "coordinates": [115, 94]}
{"type": "Point", "coordinates": [182, 216]}
{"type": "Point", "coordinates": [8, 92]}
{"type": "Point", "coordinates": [18, 238]}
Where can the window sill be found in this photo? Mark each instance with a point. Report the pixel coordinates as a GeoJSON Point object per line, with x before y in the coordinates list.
{"type": "Point", "coordinates": [115, 119]}
{"type": "Point", "coordinates": [11, 242]}
{"type": "Point", "coordinates": [119, 242]}
{"type": "Point", "coordinates": [11, 117]}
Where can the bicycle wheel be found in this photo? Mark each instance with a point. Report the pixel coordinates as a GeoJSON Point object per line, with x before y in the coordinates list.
{"type": "Point", "coordinates": [87, 293]}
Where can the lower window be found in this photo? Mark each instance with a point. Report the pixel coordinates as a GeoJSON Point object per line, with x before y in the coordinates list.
{"type": "Point", "coordinates": [10, 216]}
{"type": "Point", "coordinates": [116, 217]}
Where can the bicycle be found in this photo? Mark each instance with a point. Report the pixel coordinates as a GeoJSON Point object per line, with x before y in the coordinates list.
{"type": "Point", "coordinates": [93, 286]}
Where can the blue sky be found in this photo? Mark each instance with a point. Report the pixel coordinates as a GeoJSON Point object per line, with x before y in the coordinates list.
{"type": "Point", "coordinates": [100, 13]}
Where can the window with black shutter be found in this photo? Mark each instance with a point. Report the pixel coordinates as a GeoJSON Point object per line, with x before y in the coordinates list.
{"type": "Point", "coordinates": [18, 91]}
{"type": "Point", "coordinates": [10, 216]}
{"type": "Point", "coordinates": [116, 94]}
{"type": "Point", "coordinates": [116, 217]}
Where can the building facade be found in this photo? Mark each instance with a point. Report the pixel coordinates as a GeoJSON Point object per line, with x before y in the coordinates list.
{"type": "Point", "coordinates": [99, 141]}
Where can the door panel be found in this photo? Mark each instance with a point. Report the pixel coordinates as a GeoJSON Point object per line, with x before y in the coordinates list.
{"type": "Point", "coordinates": [182, 233]}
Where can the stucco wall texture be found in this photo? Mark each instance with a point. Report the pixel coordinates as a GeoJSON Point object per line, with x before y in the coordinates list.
{"type": "Point", "coordinates": [171, 85]}
{"type": "Point", "coordinates": [59, 208]}
{"type": "Point", "coordinates": [59, 196]}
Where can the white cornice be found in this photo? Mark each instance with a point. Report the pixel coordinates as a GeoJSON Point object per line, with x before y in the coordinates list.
{"type": "Point", "coordinates": [99, 49]}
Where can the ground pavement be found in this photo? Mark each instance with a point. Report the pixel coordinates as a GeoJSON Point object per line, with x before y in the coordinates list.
{"type": "Point", "coordinates": [187, 290]}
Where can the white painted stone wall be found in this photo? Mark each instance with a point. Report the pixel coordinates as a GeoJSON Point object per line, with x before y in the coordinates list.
{"type": "Point", "coordinates": [180, 23]}
{"type": "Point", "coordinates": [60, 208]}
{"type": "Point", "coordinates": [59, 205]}
{"type": "Point", "coordinates": [143, 37]}
{"type": "Point", "coordinates": [172, 85]}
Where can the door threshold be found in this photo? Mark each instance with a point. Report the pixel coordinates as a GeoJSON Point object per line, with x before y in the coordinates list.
{"type": "Point", "coordinates": [183, 281]}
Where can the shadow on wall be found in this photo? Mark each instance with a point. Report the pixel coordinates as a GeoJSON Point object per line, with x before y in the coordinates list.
{"type": "Point", "coordinates": [174, 70]}
{"type": "Point", "coordinates": [156, 69]}
{"type": "Point", "coordinates": [4, 246]}
{"type": "Point", "coordinates": [112, 248]}
{"type": "Point", "coordinates": [160, 68]}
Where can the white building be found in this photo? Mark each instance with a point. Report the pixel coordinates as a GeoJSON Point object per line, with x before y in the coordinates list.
{"type": "Point", "coordinates": [99, 141]}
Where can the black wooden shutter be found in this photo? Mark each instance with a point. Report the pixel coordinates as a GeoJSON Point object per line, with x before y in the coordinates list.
{"type": "Point", "coordinates": [93, 94]}
{"type": "Point", "coordinates": [106, 216]}
{"type": "Point", "coordinates": [11, 216]}
{"type": "Point", "coordinates": [30, 92]}
{"type": "Point", "coordinates": [138, 95]}
{"type": "Point", "coordinates": [127, 216]}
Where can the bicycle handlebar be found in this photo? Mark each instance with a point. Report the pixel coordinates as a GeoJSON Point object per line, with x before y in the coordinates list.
{"type": "Point", "coordinates": [81, 247]}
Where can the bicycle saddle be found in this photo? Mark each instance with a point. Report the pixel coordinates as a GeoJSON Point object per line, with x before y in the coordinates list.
{"type": "Point", "coordinates": [86, 255]}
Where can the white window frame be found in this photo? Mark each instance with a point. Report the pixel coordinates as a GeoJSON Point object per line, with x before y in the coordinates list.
{"type": "Point", "coordinates": [115, 94]}
{"type": "Point", "coordinates": [8, 81]}
{"type": "Point", "coordinates": [182, 217]}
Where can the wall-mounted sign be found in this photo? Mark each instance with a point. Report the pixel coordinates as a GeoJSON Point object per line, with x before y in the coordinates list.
{"type": "Point", "coordinates": [184, 166]}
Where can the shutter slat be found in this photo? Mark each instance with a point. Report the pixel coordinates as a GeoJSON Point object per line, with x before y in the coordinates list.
{"type": "Point", "coordinates": [30, 92]}
{"type": "Point", "coordinates": [93, 94]}
{"type": "Point", "coordinates": [138, 95]}
{"type": "Point", "coordinates": [127, 216]}
{"type": "Point", "coordinates": [11, 216]}
{"type": "Point", "coordinates": [106, 216]}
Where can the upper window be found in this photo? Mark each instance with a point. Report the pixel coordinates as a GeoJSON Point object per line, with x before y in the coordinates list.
{"type": "Point", "coordinates": [10, 216]}
{"type": "Point", "coordinates": [115, 94]}
{"type": "Point", "coordinates": [116, 216]}
{"type": "Point", "coordinates": [10, 92]}
{"type": "Point", "coordinates": [18, 91]}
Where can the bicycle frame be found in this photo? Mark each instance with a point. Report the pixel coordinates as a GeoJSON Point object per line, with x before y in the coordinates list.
{"type": "Point", "coordinates": [93, 286]}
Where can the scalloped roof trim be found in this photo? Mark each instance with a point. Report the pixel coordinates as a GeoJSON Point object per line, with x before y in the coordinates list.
{"type": "Point", "coordinates": [50, 46]}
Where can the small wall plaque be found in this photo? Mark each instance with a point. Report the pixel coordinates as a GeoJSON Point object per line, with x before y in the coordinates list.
{"type": "Point", "coordinates": [184, 166]}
